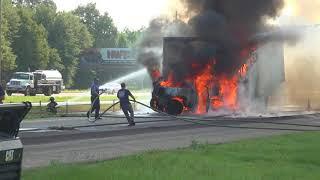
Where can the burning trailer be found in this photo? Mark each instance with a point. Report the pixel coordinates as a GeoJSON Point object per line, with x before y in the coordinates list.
{"type": "Point", "coordinates": [201, 75]}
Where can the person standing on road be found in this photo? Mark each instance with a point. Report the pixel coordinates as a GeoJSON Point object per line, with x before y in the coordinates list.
{"type": "Point", "coordinates": [123, 95]}
{"type": "Point", "coordinates": [2, 94]}
{"type": "Point", "coordinates": [95, 99]}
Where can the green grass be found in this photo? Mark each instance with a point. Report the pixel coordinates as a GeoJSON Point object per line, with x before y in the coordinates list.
{"type": "Point", "coordinates": [38, 113]}
{"type": "Point", "coordinates": [44, 99]}
{"type": "Point", "coordinates": [74, 90]}
{"type": "Point", "coordinates": [287, 157]}
{"type": "Point", "coordinates": [35, 99]}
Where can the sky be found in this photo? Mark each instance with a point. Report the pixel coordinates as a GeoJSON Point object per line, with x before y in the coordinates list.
{"type": "Point", "coordinates": [133, 14]}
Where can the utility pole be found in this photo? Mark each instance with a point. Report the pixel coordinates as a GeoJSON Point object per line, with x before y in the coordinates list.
{"type": "Point", "coordinates": [1, 61]}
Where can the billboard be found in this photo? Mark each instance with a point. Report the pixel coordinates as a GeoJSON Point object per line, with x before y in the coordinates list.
{"type": "Point", "coordinates": [120, 55]}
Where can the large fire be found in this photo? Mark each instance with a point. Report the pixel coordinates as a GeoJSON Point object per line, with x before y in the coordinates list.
{"type": "Point", "coordinates": [213, 91]}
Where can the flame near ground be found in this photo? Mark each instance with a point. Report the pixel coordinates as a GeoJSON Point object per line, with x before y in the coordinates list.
{"type": "Point", "coordinates": [213, 91]}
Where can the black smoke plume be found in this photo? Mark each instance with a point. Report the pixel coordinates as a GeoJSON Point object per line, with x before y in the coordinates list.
{"type": "Point", "coordinates": [227, 24]}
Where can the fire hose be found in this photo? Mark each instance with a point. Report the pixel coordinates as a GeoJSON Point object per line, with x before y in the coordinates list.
{"type": "Point", "coordinates": [90, 119]}
{"type": "Point", "coordinates": [202, 122]}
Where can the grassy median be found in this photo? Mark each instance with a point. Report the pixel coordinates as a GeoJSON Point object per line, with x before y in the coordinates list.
{"type": "Point", "coordinates": [79, 98]}
{"type": "Point", "coordinates": [287, 157]}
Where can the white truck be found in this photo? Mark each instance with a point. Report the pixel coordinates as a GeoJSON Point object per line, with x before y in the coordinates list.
{"type": "Point", "coordinates": [45, 82]}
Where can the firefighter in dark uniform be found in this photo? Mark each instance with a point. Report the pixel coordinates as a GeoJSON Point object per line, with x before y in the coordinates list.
{"type": "Point", "coordinates": [95, 99]}
{"type": "Point", "coordinates": [123, 95]}
{"type": "Point", "coordinates": [52, 106]}
{"type": "Point", "coordinates": [2, 94]}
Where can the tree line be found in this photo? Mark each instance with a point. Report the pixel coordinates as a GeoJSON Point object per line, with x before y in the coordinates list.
{"type": "Point", "coordinates": [36, 36]}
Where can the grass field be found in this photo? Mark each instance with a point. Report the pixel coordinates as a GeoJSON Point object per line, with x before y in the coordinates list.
{"type": "Point", "coordinates": [71, 98]}
{"type": "Point", "coordinates": [287, 157]}
{"type": "Point", "coordinates": [38, 113]}
{"type": "Point", "coordinates": [35, 99]}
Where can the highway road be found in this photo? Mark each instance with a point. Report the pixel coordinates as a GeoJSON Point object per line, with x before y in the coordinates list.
{"type": "Point", "coordinates": [74, 139]}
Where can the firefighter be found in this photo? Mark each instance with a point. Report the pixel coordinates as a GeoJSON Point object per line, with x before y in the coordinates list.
{"type": "Point", "coordinates": [123, 95]}
{"type": "Point", "coordinates": [52, 105]}
{"type": "Point", "coordinates": [95, 99]}
{"type": "Point", "coordinates": [2, 94]}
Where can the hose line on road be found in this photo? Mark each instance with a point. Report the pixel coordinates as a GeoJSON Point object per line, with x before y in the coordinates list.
{"type": "Point", "coordinates": [202, 122]}
{"type": "Point", "coordinates": [91, 107]}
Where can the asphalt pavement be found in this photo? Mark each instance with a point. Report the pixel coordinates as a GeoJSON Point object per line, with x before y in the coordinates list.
{"type": "Point", "coordinates": [74, 139]}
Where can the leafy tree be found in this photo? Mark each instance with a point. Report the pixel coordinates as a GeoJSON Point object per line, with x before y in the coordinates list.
{"type": "Point", "coordinates": [133, 36]}
{"type": "Point", "coordinates": [128, 38]}
{"type": "Point", "coordinates": [35, 36]}
{"type": "Point", "coordinates": [30, 45]}
{"type": "Point", "coordinates": [11, 17]}
{"type": "Point", "coordinates": [10, 25]}
{"type": "Point", "coordinates": [89, 15]}
{"type": "Point", "coordinates": [55, 62]}
{"type": "Point", "coordinates": [101, 27]}
{"type": "Point", "coordinates": [106, 32]}
{"type": "Point", "coordinates": [45, 15]}
{"type": "Point", "coordinates": [34, 3]}
{"type": "Point", "coordinates": [69, 36]}
{"type": "Point", "coordinates": [122, 41]}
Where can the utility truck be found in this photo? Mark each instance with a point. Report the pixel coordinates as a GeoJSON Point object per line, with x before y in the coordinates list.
{"type": "Point", "coordinates": [45, 82]}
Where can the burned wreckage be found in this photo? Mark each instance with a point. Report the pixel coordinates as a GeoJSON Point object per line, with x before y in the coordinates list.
{"type": "Point", "coordinates": [200, 75]}
{"type": "Point", "coordinates": [217, 54]}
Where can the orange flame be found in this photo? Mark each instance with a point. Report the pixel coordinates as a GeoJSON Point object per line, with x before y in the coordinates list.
{"type": "Point", "coordinates": [169, 82]}
{"type": "Point", "coordinates": [229, 91]}
{"type": "Point", "coordinates": [206, 81]}
{"type": "Point", "coordinates": [203, 82]}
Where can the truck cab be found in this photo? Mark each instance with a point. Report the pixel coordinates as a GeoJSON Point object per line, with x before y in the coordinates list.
{"type": "Point", "coordinates": [45, 82]}
{"type": "Point", "coordinates": [21, 82]}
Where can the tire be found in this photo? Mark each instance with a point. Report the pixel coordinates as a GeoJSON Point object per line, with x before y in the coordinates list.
{"type": "Point", "coordinates": [58, 90]}
{"type": "Point", "coordinates": [154, 104]}
{"type": "Point", "coordinates": [48, 91]}
{"type": "Point", "coordinates": [9, 93]}
{"type": "Point", "coordinates": [174, 107]}
{"type": "Point", "coordinates": [28, 91]}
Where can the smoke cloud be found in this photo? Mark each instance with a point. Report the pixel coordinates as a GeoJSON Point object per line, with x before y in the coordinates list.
{"type": "Point", "coordinates": [149, 47]}
{"type": "Point", "coordinates": [302, 60]}
{"type": "Point", "coordinates": [228, 23]}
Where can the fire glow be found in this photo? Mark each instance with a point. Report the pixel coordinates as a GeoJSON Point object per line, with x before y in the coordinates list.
{"type": "Point", "coordinates": [213, 91]}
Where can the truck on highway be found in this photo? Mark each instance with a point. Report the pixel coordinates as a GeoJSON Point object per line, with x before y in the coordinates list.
{"type": "Point", "coordinates": [45, 82]}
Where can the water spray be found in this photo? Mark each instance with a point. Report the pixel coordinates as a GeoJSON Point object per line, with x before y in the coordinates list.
{"type": "Point", "coordinates": [119, 80]}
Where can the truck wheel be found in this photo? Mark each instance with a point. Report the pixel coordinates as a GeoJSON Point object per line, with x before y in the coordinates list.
{"type": "Point", "coordinates": [58, 90]}
{"type": "Point", "coordinates": [48, 91]}
{"type": "Point", "coordinates": [9, 93]}
{"type": "Point", "coordinates": [28, 91]}
{"type": "Point", "coordinates": [154, 104]}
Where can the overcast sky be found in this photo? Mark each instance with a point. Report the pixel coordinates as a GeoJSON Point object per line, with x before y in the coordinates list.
{"type": "Point", "coordinates": [125, 13]}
